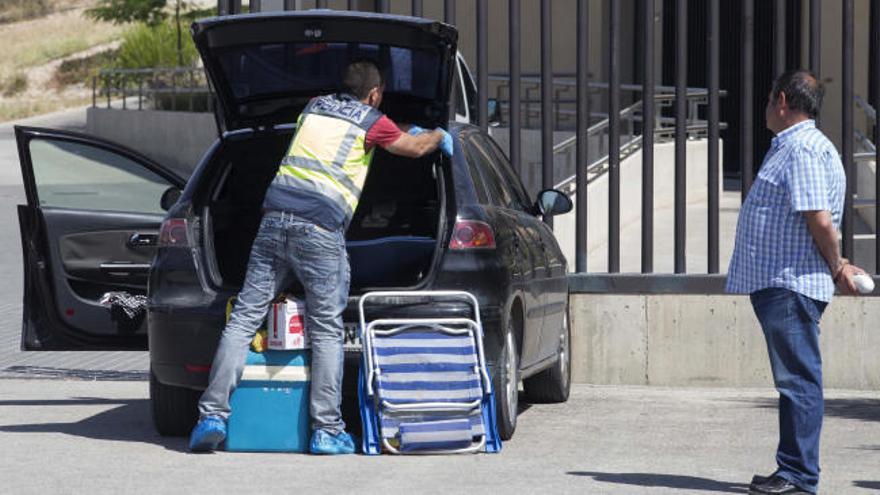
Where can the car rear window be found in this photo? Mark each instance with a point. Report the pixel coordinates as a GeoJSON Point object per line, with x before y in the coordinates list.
{"type": "Point", "coordinates": [311, 68]}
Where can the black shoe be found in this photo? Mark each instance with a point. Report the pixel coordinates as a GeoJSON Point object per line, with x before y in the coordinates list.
{"type": "Point", "coordinates": [758, 480]}
{"type": "Point", "coordinates": [775, 485]}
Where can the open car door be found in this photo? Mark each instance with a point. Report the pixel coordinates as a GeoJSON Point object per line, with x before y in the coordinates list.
{"type": "Point", "coordinates": [90, 226]}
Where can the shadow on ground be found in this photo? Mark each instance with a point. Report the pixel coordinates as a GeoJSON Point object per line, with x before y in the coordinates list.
{"type": "Point", "coordinates": [673, 481]}
{"type": "Point", "coordinates": [130, 422]}
{"type": "Point", "coordinates": [858, 409]}
{"type": "Point", "coordinates": [868, 485]}
{"type": "Point", "coordinates": [79, 374]}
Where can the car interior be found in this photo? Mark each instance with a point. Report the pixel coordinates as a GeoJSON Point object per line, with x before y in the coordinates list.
{"type": "Point", "coordinates": [392, 237]}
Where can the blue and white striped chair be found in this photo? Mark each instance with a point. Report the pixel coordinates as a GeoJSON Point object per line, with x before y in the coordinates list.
{"type": "Point", "coordinates": [424, 386]}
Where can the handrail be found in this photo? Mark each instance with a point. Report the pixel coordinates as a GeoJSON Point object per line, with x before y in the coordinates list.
{"type": "Point", "coordinates": [626, 149]}
{"type": "Point", "coordinates": [866, 107]}
{"type": "Point", "coordinates": [595, 169]}
{"type": "Point", "coordinates": [570, 80]}
{"type": "Point", "coordinates": [595, 128]}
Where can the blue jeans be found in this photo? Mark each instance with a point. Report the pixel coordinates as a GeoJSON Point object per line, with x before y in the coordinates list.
{"type": "Point", "coordinates": [791, 327]}
{"type": "Point", "coordinates": [288, 246]}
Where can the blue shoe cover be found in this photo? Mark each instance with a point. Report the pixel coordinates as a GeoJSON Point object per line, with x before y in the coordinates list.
{"type": "Point", "coordinates": [208, 434]}
{"type": "Point", "coordinates": [329, 444]}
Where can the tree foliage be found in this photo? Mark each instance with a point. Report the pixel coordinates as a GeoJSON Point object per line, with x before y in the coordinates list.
{"type": "Point", "coordinates": [151, 12]}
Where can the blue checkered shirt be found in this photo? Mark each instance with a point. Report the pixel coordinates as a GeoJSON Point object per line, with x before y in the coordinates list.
{"type": "Point", "coordinates": [774, 247]}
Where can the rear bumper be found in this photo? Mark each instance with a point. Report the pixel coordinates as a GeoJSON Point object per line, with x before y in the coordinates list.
{"type": "Point", "coordinates": [182, 345]}
{"type": "Point", "coordinates": [183, 340]}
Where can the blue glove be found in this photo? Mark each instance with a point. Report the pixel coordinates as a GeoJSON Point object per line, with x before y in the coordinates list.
{"type": "Point", "coordinates": [446, 143]}
{"type": "Point", "coordinates": [415, 130]}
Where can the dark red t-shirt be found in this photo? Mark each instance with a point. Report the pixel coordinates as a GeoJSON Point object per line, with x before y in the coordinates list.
{"type": "Point", "coordinates": [383, 133]}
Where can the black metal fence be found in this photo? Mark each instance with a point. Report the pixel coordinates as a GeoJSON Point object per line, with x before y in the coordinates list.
{"type": "Point", "coordinates": [176, 89]}
{"type": "Point", "coordinates": [564, 102]}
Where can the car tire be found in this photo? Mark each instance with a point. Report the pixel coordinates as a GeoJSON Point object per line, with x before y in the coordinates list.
{"type": "Point", "coordinates": [175, 409]}
{"type": "Point", "coordinates": [506, 384]}
{"type": "Point", "coordinates": [553, 385]}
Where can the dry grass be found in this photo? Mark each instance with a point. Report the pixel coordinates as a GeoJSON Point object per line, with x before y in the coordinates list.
{"type": "Point", "coordinates": [18, 10]}
{"type": "Point", "coordinates": [13, 84]}
{"type": "Point", "coordinates": [37, 41]}
{"type": "Point", "coordinates": [31, 52]}
{"type": "Point", "coordinates": [19, 108]}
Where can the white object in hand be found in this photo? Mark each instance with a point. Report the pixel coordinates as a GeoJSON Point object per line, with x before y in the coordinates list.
{"type": "Point", "coordinates": [863, 283]}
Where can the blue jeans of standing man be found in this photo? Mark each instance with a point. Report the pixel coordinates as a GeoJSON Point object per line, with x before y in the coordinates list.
{"type": "Point", "coordinates": [288, 246]}
{"type": "Point", "coordinates": [791, 328]}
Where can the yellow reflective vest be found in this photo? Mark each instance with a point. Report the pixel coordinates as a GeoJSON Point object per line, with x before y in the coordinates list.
{"type": "Point", "coordinates": [321, 177]}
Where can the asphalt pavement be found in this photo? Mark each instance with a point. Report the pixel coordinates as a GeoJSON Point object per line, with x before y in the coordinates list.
{"type": "Point", "coordinates": [81, 436]}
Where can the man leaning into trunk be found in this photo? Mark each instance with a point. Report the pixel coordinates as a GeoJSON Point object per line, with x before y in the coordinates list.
{"type": "Point", "coordinates": [787, 258]}
{"type": "Point", "coordinates": [307, 209]}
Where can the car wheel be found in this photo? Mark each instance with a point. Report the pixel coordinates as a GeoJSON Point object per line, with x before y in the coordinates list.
{"type": "Point", "coordinates": [175, 409]}
{"type": "Point", "coordinates": [506, 384]}
{"type": "Point", "coordinates": [553, 384]}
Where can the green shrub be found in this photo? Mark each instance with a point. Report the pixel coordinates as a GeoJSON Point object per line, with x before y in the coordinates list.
{"type": "Point", "coordinates": [155, 46]}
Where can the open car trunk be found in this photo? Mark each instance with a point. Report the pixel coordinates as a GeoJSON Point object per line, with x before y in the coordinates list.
{"type": "Point", "coordinates": [392, 240]}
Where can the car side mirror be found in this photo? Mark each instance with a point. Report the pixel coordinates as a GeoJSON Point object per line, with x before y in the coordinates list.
{"type": "Point", "coordinates": [494, 112]}
{"type": "Point", "coordinates": [552, 202]}
{"type": "Point", "coordinates": [169, 197]}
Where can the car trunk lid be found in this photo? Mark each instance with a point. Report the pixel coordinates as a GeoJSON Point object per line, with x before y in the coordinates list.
{"type": "Point", "coordinates": [264, 67]}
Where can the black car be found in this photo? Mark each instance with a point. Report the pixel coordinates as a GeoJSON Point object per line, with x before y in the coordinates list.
{"type": "Point", "coordinates": [96, 217]}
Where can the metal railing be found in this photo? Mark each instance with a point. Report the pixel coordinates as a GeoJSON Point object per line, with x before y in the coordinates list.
{"type": "Point", "coordinates": [178, 89]}
{"type": "Point", "coordinates": [630, 118]}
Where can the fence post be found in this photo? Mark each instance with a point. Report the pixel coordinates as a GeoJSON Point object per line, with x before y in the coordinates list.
{"type": "Point", "coordinates": [747, 62]}
{"type": "Point", "coordinates": [875, 82]}
{"type": "Point", "coordinates": [449, 11]}
{"type": "Point", "coordinates": [515, 117]}
{"type": "Point", "coordinates": [713, 116]}
{"type": "Point", "coordinates": [546, 100]}
{"type": "Point", "coordinates": [173, 90]}
{"type": "Point", "coordinates": [613, 139]}
{"type": "Point", "coordinates": [648, 138]}
{"type": "Point", "coordinates": [680, 134]}
{"type": "Point", "coordinates": [847, 136]}
{"type": "Point", "coordinates": [583, 139]}
{"type": "Point", "coordinates": [483, 64]}
{"type": "Point", "coordinates": [779, 61]}
{"type": "Point", "coordinates": [816, 35]}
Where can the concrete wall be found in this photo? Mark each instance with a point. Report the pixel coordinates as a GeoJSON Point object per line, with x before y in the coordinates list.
{"type": "Point", "coordinates": [709, 340]}
{"type": "Point", "coordinates": [174, 139]}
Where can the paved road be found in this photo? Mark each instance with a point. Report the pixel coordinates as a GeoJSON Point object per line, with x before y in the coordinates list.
{"type": "Point", "coordinates": [132, 365]}
{"type": "Point", "coordinates": [76, 436]}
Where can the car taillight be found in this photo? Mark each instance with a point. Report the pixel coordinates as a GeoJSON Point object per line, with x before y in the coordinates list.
{"type": "Point", "coordinates": [173, 233]}
{"type": "Point", "coordinates": [472, 234]}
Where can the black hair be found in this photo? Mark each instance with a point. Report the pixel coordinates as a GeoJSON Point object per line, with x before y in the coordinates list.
{"type": "Point", "coordinates": [361, 76]}
{"type": "Point", "coordinates": [803, 91]}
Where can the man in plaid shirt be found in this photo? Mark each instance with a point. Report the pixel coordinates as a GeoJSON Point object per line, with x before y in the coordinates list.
{"type": "Point", "coordinates": [787, 258]}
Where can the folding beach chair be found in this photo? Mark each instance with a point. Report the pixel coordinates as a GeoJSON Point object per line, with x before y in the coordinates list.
{"type": "Point", "coordinates": [424, 386]}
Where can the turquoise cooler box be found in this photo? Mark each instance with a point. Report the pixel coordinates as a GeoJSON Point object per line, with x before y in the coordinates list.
{"type": "Point", "coordinates": [270, 407]}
